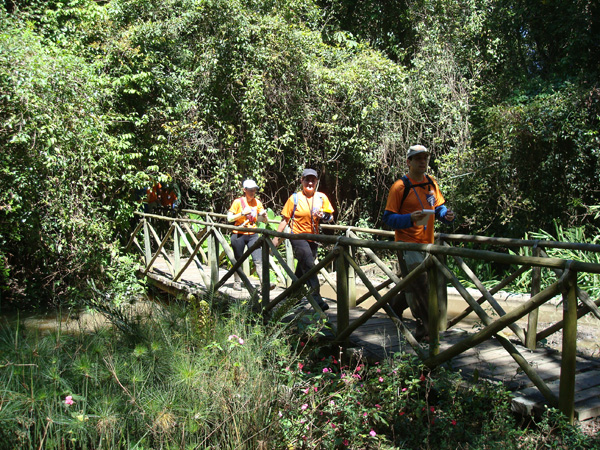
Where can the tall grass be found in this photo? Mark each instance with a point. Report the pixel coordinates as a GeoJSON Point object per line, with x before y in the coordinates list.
{"type": "Point", "coordinates": [169, 384]}
{"type": "Point", "coordinates": [197, 376]}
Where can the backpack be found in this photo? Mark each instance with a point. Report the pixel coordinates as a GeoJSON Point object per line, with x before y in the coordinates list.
{"type": "Point", "coordinates": [408, 186]}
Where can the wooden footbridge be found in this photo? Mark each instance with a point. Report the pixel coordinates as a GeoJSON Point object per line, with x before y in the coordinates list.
{"type": "Point", "coordinates": [193, 255]}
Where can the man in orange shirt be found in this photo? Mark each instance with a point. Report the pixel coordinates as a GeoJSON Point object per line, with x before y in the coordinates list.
{"type": "Point", "coordinates": [413, 203]}
{"type": "Point", "coordinates": [304, 211]}
{"type": "Point", "coordinates": [246, 211]}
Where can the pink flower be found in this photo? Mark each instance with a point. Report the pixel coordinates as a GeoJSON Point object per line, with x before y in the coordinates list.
{"type": "Point", "coordinates": [280, 414]}
{"type": "Point", "coordinates": [365, 414]}
{"type": "Point", "coordinates": [303, 407]}
{"type": "Point", "coordinates": [453, 422]}
{"type": "Point", "coordinates": [372, 433]}
{"type": "Point", "coordinates": [346, 442]}
{"type": "Point", "coordinates": [333, 425]}
{"type": "Point", "coordinates": [241, 341]}
{"type": "Point", "coordinates": [69, 400]}
{"type": "Point", "coordinates": [325, 370]}
{"type": "Point", "coordinates": [401, 413]}
{"type": "Point", "coordinates": [404, 389]}
{"type": "Point", "coordinates": [306, 390]}
{"type": "Point", "coordinates": [232, 337]}
{"type": "Point", "coordinates": [315, 388]}
{"type": "Point", "coordinates": [377, 406]}
{"type": "Point", "coordinates": [300, 366]}
{"type": "Point", "coordinates": [381, 379]}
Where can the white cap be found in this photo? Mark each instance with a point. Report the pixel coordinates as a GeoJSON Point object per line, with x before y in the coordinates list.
{"type": "Point", "coordinates": [250, 184]}
{"type": "Point", "coordinates": [415, 150]}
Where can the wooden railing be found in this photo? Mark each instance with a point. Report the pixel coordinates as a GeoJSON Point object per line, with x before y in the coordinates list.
{"type": "Point", "coordinates": [202, 240]}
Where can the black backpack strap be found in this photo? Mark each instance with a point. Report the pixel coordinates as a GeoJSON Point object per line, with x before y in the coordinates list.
{"type": "Point", "coordinates": [408, 186]}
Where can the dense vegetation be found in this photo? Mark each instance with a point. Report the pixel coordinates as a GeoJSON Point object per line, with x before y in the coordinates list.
{"type": "Point", "coordinates": [226, 381]}
{"type": "Point", "coordinates": [99, 98]}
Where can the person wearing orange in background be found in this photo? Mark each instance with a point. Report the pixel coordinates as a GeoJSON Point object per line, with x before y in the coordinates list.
{"type": "Point", "coordinates": [169, 196]}
{"type": "Point", "coordinates": [152, 197]}
{"type": "Point", "coordinates": [413, 204]}
{"type": "Point", "coordinates": [304, 211]}
{"type": "Point", "coordinates": [246, 211]}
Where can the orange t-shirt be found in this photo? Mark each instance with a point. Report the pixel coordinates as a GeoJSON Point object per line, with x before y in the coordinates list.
{"type": "Point", "coordinates": [304, 221]}
{"type": "Point", "coordinates": [167, 198]}
{"type": "Point", "coordinates": [249, 220]}
{"type": "Point", "coordinates": [416, 200]}
{"type": "Point", "coordinates": [152, 193]}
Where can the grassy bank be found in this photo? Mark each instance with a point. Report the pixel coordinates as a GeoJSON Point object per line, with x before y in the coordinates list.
{"type": "Point", "coordinates": [196, 376]}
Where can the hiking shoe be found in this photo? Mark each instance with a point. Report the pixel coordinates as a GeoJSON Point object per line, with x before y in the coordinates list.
{"type": "Point", "coordinates": [324, 306]}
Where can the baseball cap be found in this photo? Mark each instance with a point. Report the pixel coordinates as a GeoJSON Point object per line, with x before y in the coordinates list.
{"type": "Point", "coordinates": [250, 184]}
{"type": "Point", "coordinates": [415, 150]}
{"type": "Point", "coordinates": [308, 172]}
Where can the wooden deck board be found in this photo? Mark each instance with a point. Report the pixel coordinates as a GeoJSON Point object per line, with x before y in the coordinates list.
{"type": "Point", "coordinates": [379, 338]}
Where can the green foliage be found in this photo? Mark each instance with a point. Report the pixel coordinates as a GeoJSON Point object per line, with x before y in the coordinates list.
{"type": "Point", "coordinates": [60, 176]}
{"type": "Point", "coordinates": [100, 99]}
{"type": "Point", "coordinates": [536, 164]}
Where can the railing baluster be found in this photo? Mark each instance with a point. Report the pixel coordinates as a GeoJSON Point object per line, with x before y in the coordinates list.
{"type": "Point", "coordinates": [147, 247]}
{"type": "Point", "coordinates": [566, 396]}
{"type": "Point", "coordinates": [289, 257]}
{"type": "Point", "coordinates": [213, 258]}
{"type": "Point", "coordinates": [343, 293]}
{"type": "Point", "coordinates": [266, 272]}
{"type": "Point", "coordinates": [176, 251]}
{"type": "Point", "coordinates": [442, 293]}
{"type": "Point", "coordinates": [434, 311]}
{"type": "Point", "coordinates": [351, 276]}
{"type": "Point", "coordinates": [532, 319]}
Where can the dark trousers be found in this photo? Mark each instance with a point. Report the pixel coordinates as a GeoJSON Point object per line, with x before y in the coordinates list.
{"type": "Point", "coordinates": [306, 252]}
{"type": "Point", "coordinates": [239, 242]}
{"type": "Point", "coordinates": [417, 292]}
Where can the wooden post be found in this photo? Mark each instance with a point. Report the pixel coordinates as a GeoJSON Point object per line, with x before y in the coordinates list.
{"type": "Point", "coordinates": [343, 293]}
{"type": "Point", "coordinates": [434, 311]}
{"type": "Point", "coordinates": [351, 277]}
{"type": "Point", "coordinates": [532, 319]}
{"type": "Point", "coordinates": [176, 252]}
{"type": "Point", "coordinates": [566, 395]}
{"type": "Point", "coordinates": [147, 248]}
{"type": "Point", "coordinates": [246, 267]}
{"type": "Point", "coordinates": [442, 294]}
{"type": "Point", "coordinates": [266, 273]}
{"type": "Point", "coordinates": [289, 257]}
{"type": "Point", "coordinates": [213, 258]}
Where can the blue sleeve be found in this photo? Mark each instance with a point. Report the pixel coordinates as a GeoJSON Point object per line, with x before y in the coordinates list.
{"type": "Point", "coordinates": [397, 221]}
{"type": "Point", "coordinates": [440, 214]}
